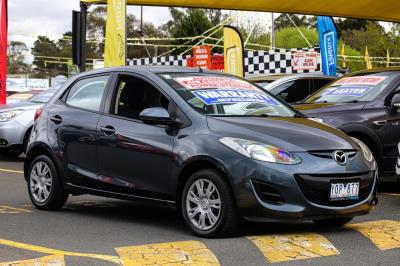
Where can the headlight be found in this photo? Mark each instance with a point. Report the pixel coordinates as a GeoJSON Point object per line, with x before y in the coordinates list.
{"type": "Point", "coordinates": [7, 116]}
{"type": "Point", "coordinates": [365, 150]}
{"type": "Point", "coordinates": [259, 151]}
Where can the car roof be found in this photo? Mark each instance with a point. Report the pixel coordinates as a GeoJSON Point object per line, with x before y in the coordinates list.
{"type": "Point", "coordinates": [261, 78]}
{"type": "Point", "coordinates": [376, 70]}
{"type": "Point", "coordinates": [151, 69]}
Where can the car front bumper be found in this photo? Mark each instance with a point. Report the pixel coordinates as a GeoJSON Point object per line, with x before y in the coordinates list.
{"type": "Point", "coordinates": [12, 134]}
{"type": "Point", "coordinates": [301, 192]}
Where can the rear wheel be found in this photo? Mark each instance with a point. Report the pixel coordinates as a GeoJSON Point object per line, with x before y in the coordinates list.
{"type": "Point", "coordinates": [208, 205]}
{"type": "Point", "coordinates": [44, 185]}
{"type": "Point", "coordinates": [334, 222]}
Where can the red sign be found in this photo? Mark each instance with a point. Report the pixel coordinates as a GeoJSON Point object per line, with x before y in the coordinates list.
{"type": "Point", "coordinates": [3, 50]}
{"type": "Point", "coordinates": [305, 60]}
{"type": "Point", "coordinates": [206, 82]}
{"type": "Point", "coordinates": [367, 80]}
{"type": "Point", "coordinates": [202, 56]}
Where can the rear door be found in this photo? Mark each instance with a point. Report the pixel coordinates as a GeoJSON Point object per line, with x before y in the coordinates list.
{"type": "Point", "coordinates": [73, 127]}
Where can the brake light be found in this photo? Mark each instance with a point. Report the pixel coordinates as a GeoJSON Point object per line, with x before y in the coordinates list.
{"type": "Point", "coordinates": [37, 114]}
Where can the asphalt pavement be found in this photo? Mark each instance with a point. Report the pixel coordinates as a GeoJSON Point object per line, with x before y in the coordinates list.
{"type": "Point", "coordinates": [99, 231]}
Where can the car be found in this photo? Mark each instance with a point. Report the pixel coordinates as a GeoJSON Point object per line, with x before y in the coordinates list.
{"type": "Point", "coordinates": [365, 105]}
{"type": "Point", "coordinates": [22, 96]}
{"type": "Point", "coordinates": [16, 120]}
{"type": "Point", "coordinates": [398, 163]}
{"type": "Point", "coordinates": [295, 88]}
{"type": "Point", "coordinates": [161, 135]}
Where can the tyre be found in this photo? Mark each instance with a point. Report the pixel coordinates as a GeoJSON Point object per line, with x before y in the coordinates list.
{"type": "Point", "coordinates": [334, 222]}
{"type": "Point", "coordinates": [208, 205]}
{"type": "Point", "coordinates": [44, 185]}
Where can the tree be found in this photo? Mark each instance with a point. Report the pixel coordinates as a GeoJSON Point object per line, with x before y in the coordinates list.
{"type": "Point", "coordinates": [284, 20]}
{"type": "Point", "coordinates": [191, 22]}
{"type": "Point", "coordinates": [16, 58]}
{"type": "Point", "coordinates": [45, 67]}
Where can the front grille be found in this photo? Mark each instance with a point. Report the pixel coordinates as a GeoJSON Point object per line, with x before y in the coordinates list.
{"type": "Point", "coordinates": [351, 154]}
{"type": "Point", "coordinates": [316, 188]}
{"type": "Point", "coordinates": [267, 193]}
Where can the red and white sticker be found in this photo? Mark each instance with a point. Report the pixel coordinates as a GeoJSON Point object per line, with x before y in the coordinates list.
{"type": "Point", "coordinates": [204, 82]}
{"type": "Point", "coordinates": [366, 80]}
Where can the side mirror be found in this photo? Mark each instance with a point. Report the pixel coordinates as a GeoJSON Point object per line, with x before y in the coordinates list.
{"type": "Point", "coordinates": [156, 115]}
{"type": "Point", "coordinates": [395, 104]}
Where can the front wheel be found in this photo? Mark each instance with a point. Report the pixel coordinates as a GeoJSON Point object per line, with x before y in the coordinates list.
{"type": "Point", "coordinates": [208, 205]}
{"type": "Point", "coordinates": [334, 222]}
{"type": "Point", "coordinates": [44, 185]}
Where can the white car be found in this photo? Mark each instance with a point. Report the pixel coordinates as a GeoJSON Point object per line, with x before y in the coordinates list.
{"type": "Point", "coordinates": [398, 163]}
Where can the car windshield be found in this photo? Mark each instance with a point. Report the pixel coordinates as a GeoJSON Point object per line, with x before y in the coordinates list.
{"type": "Point", "coordinates": [44, 96]}
{"type": "Point", "coordinates": [219, 95]}
{"type": "Point", "coordinates": [359, 88]}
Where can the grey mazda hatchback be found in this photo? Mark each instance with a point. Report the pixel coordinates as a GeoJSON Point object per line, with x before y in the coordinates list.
{"type": "Point", "coordinates": [181, 137]}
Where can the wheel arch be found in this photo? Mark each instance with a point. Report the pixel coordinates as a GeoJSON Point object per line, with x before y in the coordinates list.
{"type": "Point", "coordinates": [368, 136]}
{"type": "Point", "coordinates": [36, 150]}
{"type": "Point", "coordinates": [195, 164]}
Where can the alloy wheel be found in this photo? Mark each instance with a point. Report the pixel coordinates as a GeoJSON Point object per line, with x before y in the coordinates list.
{"type": "Point", "coordinates": [203, 204]}
{"type": "Point", "coordinates": [40, 181]}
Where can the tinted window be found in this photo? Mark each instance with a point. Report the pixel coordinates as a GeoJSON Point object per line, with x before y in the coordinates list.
{"type": "Point", "coordinates": [134, 95]}
{"type": "Point", "coordinates": [362, 87]}
{"type": "Point", "coordinates": [87, 93]}
{"type": "Point", "coordinates": [221, 95]}
{"type": "Point", "coordinates": [293, 91]}
{"type": "Point", "coordinates": [320, 83]}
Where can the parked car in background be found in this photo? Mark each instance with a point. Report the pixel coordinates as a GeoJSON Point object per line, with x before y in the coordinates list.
{"type": "Point", "coordinates": [16, 121]}
{"type": "Point", "coordinates": [162, 134]}
{"type": "Point", "coordinates": [22, 96]}
{"type": "Point", "coordinates": [365, 105]}
{"type": "Point", "coordinates": [297, 87]}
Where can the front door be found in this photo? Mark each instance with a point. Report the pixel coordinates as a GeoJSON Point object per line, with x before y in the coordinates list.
{"type": "Point", "coordinates": [135, 158]}
{"type": "Point", "coordinates": [393, 138]}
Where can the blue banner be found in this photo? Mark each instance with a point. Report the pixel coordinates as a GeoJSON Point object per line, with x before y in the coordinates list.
{"type": "Point", "coordinates": [328, 43]}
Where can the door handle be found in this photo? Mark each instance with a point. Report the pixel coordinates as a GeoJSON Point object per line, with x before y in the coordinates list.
{"type": "Point", "coordinates": [56, 119]}
{"type": "Point", "coordinates": [108, 130]}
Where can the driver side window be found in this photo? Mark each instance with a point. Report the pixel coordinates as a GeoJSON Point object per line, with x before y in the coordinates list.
{"type": "Point", "coordinates": [133, 95]}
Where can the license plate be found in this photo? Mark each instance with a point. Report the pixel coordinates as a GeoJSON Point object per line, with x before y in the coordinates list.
{"type": "Point", "coordinates": [344, 191]}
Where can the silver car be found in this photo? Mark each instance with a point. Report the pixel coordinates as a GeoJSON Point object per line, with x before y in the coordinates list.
{"type": "Point", "coordinates": [293, 88]}
{"type": "Point", "coordinates": [16, 121]}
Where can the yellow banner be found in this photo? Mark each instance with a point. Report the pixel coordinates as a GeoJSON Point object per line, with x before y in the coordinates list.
{"type": "Point", "coordinates": [233, 52]}
{"type": "Point", "coordinates": [115, 46]}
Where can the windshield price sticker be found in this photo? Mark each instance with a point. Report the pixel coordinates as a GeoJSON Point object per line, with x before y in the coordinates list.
{"type": "Point", "coordinates": [202, 82]}
{"type": "Point", "coordinates": [233, 96]}
{"type": "Point", "coordinates": [347, 91]}
{"type": "Point", "coordinates": [368, 80]}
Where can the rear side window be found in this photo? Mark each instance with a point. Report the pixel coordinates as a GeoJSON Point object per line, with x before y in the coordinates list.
{"type": "Point", "coordinates": [87, 93]}
{"type": "Point", "coordinates": [293, 91]}
{"type": "Point", "coordinates": [319, 83]}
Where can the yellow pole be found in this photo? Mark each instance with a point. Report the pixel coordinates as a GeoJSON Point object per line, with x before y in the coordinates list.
{"type": "Point", "coordinates": [343, 57]}
{"type": "Point", "coordinates": [367, 59]}
{"type": "Point", "coordinates": [388, 58]}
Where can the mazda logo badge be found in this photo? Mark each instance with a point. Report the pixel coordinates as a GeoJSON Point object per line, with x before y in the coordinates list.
{"type": "Point", "coordinates": [340, 157]}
